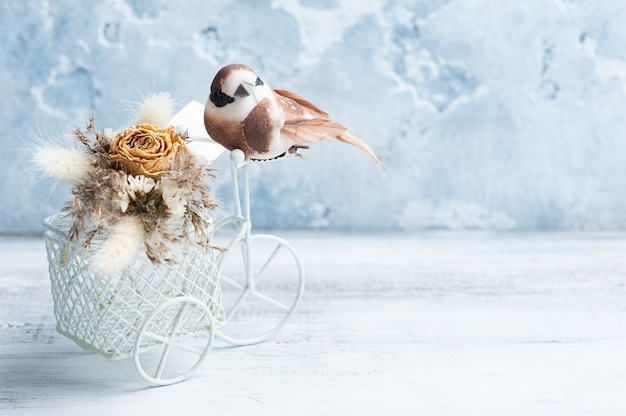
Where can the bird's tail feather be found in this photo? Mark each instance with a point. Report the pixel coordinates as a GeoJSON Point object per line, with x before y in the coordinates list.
{"type": "Point", "coordinates": [355, 141]}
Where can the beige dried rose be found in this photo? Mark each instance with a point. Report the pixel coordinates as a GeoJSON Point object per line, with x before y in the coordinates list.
{"type": "Point", "coordinates": [146, 149]}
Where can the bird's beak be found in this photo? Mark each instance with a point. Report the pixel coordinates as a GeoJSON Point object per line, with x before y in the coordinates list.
{"type": "Point", "coordinates": [251, 88]}
{"type": "Point", "coordinates": [246, 89]}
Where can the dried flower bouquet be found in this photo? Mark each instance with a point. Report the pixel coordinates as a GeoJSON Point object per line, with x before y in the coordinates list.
{"type": "Point", "coordinates": [138, 188]}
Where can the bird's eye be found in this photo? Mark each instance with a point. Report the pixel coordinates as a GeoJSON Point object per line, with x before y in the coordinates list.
{"type": "Point", "coordinates": [241, 91]}
{"type": "Point", "coordinates": [258, 82]}
{"type": "Point", "coordinates": [220, 99]}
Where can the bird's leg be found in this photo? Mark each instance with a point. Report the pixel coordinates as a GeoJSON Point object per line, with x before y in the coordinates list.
{"type": "Point", "coordinates": [293, 150]}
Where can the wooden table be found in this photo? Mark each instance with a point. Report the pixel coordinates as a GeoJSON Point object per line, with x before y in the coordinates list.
{"type": "Point", "coordinates": [431, 324]}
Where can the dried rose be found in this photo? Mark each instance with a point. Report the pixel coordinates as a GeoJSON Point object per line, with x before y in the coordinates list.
{"type": "Point", "coordinates": [146, 149]}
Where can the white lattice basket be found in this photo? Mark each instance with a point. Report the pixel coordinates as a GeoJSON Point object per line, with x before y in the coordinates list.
{"type": "Point", "coordinates": [108, 314]}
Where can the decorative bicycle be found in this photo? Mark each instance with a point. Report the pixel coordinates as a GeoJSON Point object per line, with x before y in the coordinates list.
{"type": "Point", "coordinates": [167, 318]}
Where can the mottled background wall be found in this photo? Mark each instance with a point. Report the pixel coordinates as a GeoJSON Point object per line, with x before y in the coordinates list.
{"type": "Point", "coordinates": [488, 115]}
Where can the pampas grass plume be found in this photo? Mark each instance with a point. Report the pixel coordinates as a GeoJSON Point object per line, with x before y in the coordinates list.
{"type": "Point", "coordinates": [156, 109]}
{"type": "Point", "coordinates": [65, 165]}
{"type": "Point", "coordinates": [119, 249]}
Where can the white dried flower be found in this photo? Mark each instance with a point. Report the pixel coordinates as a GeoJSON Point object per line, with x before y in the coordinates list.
{"type": "Point", "coordinates": [139, 186]}
{"type": "Point", "coordinates": [174, 198]}
{"type": "Point", "coordinates": [120, 247]}
{"type": "Point", "coordinates": [131, 188]}
{"type": "Point", "coordinates": [123, 200]}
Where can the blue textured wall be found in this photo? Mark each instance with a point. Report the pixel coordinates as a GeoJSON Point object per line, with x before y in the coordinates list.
{"type": "Point", "coordinates": [489, 115]}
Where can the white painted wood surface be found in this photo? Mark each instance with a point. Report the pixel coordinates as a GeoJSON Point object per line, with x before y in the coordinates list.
{"type": "Point", "coordinates": [430, 324]}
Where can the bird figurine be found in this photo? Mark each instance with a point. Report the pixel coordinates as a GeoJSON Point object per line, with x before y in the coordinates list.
{"type": "Point", "coordinates": [243, 112]}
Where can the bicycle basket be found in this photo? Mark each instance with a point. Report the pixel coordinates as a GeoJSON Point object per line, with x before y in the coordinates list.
{"type": "Point", "coordinates": [105, 313]}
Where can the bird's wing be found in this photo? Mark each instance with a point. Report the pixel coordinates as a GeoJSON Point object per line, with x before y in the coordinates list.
{"type": "Point", "coordinates": [322, 129]}
{"type": "Point", "coordinates": [307, 130]}
{"type": "Point", "coordinates": [312, 108]}
{"type": "Point", "coordinates": [259, 126]}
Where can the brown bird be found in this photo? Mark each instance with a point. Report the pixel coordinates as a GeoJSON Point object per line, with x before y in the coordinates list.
{"type": "Point", "coordinates": [244, 113]}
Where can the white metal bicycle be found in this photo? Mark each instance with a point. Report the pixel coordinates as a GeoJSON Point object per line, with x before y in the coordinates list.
{"type": "Point", "coordinates": [167, 318]}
